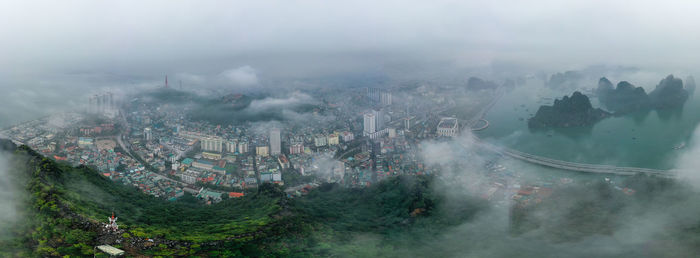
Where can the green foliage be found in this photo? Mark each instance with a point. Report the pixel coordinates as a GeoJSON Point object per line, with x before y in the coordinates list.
{"type": "Point", "coordinates": [61, 197]}
{"type": "Point", "coordinates": [263, 223]}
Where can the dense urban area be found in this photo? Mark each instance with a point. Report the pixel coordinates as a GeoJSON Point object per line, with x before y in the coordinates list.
{"type": "Point", "coordinates": [149, 141]}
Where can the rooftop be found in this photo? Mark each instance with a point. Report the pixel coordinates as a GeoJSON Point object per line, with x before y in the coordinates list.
{"type": "Point", "coordinates": [447, 122]}
{"type": "Point", "coordinates": [108, 249]}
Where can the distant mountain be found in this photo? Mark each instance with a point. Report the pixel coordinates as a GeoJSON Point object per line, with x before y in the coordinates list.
{"type": "Point", "coordinates": [566, 80]}
{"type": "Point", "coordinates": [669, 93]}
{"type": "Point", "coordinates": [476, 83]}
{"type": "Point", "coordinates": [625, 98]}
{"type": "Point", "coordinates": [571, 111]}
{"type": "Point", "coordinates": [604, 86]}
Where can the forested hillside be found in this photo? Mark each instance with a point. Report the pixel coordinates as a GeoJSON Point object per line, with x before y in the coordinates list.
{"type": "Point", "coordinates": [66, 209]}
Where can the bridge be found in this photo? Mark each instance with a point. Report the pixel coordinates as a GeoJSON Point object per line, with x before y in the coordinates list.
{"type": "Point", "coordinates": [573, 166]}
{"type": "Point", "coordinates": [486, 125]}
{"type": "Point", "coordinates": [479, 117]}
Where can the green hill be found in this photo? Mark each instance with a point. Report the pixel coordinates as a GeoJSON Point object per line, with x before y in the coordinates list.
{"type": "Point", "coordinates": [66, 209]}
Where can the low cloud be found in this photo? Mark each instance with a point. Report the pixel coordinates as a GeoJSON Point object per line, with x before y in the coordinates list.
{"type": "Point", "coordinates": [241, 76]}
{"type": "Point", "coordinates": [689, 162]}
{"type": "Point", "coordinates": [295, 99]}
{"type": "Point", "coordinates": [11, 192]}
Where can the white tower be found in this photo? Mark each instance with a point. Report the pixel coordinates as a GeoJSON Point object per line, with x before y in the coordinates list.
{"type": "Point", "coordinates": [112, 223]}
{"type": "Point", "coordinates": [370, 124]}
{"type": "Point", "coordinates": [275, 142]}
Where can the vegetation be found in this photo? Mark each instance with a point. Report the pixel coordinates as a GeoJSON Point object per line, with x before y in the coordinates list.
{"type": "Point", "coordinates": [568, 112]}
{"type": "Point", "coordinates": [69, 207]}
{"type": "Point", "coordinates": [627, 98]}
{"type": "Point", "coordinates": [70, 204]}
{"type": "Point", "coordinates": [64, 209]}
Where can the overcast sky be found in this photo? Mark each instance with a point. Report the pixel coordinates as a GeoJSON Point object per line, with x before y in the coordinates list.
{"type": "Point", "coordinates": [153, 36]}
{"type": "Point", "coordinates": [50, 49]}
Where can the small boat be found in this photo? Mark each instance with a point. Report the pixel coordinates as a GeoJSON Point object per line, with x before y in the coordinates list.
{"type": "Point", "coordinates": [679, 146]}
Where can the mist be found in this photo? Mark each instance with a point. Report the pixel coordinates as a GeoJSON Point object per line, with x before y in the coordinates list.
{"type": "Point", "coordinates": [588, 217]}
{"type": "Point", "coordinates": [280, 54]}
{"type": "Point", "coordinates": [12, 194]}
{"type": "Point", "coordinates": [244, 45]}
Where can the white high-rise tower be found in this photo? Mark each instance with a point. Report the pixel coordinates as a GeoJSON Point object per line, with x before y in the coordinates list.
{"type": "Point", "coordinates": [370, 124]}
{"type": "Point", "coordinates": [275, 142]}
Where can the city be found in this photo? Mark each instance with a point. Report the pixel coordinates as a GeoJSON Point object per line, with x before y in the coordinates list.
{"type": "Point", "coordinates": [349, 129]}
{"type": "Point", "coordinates": [158, 149]}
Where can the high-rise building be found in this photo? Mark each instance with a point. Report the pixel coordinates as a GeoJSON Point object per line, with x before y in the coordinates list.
{"type": "Point", "coordinates": [147, 134]}
{"type": "Point", "coordinates": [102, 104]}
{"type": "Point", "coordinates": [275, 142]}
{"type": "Point", "coordinates": [212, 143]}
{"type": "Point", "coordinates": [407, 124]}
{"type": "Point", "coordinates": [370, 124]}
{"type": "Point", "coordinates": [296, 148]}
{"type": "Point", "coordinates": [373, 94]}
{"type": "Point", "coordinates": [230, 146]}
{"type": "Point", "coordinates": [385, 98]}
{"type": "Point", "coordinates": [379, 116]}
{"type": "Point", "coordinates": [243, 147]}
{"type": "Point", "coordinates": [379, 96]}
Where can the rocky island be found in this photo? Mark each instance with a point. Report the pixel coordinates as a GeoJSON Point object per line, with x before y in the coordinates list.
{"type": "Point", "coordinates": [669, 93]}
{"type": "Point", "coordinates": [627, 98]}
{"type": "Point", "coordinates": [571, 111]}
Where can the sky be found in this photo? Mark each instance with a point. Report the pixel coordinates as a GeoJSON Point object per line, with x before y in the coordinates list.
{"type": "Point", "coordinates": [51, 48]}
{"type": "Point", "coordinates": [155, 36]}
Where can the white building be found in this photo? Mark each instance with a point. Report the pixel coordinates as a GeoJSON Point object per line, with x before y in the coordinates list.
{"type": "Point", "coordinates": [296, 148]}
{"type": "Point", "coordinates": [333, 139]}
{"type": "Point", "coordinates": [348, 136]}
{"type": "Point", "coordinates": [212, 143]}
{"type": "Point", "coordinates": [370, 124]}
{"type": "Point", "coordinates": [189, 176]}
{"type": "Point", "coordinates": [147, 134]}
{"type": "Point", "coordinates": [385, 98]}
{"type": "Point", "coordinates": [242, 147]}
{"type": "Point", "coordinates": [103, 104]}
{"type": "Point", "coordinates": [262, 151]}
{"type": "Point", "coordinates": [320, 140]}
{"type": "Point", "coordinates": [448, 126]}
{"type": "Point", "coordinates": [275, 142]}
{"type": "Point", "coordinates": [392, 132]}
{"type": "Point", "coordinates": [380, 119]}
{"type": "Point", "coordinates": [231, 146]}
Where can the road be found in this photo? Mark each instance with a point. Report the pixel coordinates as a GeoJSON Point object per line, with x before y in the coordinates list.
{"type": "Point", "coordinates": [573, 166]}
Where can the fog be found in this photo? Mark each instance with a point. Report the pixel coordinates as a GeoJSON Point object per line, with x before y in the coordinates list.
{"type": "Point", "coordinates": [12, 194]}
{"type": "Point", "coordinates": [583, 219]}
{"type": "Point", "coordinates": [55, 54]}
{"type": "Point", "coordinates": [63, 50]}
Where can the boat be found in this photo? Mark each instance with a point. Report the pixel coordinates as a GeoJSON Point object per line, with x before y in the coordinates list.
{"type": "Point", "coordinates": [679, 146]}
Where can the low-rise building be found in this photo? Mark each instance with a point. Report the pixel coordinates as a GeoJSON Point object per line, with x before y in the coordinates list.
{"type": "Point", "coordinates": [262, 151]}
